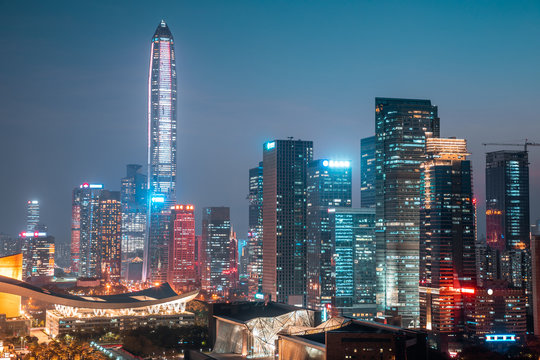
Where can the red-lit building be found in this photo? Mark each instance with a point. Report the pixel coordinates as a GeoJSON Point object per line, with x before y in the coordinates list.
{"type": "Point", "coordinates": [182, 274]}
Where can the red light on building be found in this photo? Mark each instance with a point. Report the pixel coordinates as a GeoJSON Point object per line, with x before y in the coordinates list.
{"type": "Point", "coordinates": [467, 290]}
{"type": "Point", "coordinates": [474, 201]}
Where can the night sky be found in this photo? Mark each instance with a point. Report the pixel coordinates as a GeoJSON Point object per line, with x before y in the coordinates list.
{"type": "Point", "coordinates": [73, 88]}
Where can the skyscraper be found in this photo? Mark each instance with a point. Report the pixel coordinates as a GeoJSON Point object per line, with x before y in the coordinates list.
{"type": "Point", "coordinates": [353, 239]}
{"type": "Point", "coordinates": [85, 230]}
{"type": "Point", "coordinates": [38, 256]}
{"type": "Point", "coordinates": [32, 214]}
{"type": "Point", "coordinates": [401, 127]}
{"type": "Point", "coordinates": [284, 219]}
{"type": "Point", "coordinates": [255, 239]}
{"type": "Point", "coordinates": [182, 273]}
{"type": "Point", "coordinates": [161, 130]}
{"type": "Point", "coordinates": [367, 172]}
{"type": "Point", "coordinates": [134, 199]}
{"type": "Point", "coordinates": [156, 252]}
{"type": "Point", "coordinates": [329, 184]}
{"type": "Point", "coordinates": [507, 214]}
{"type": "Point", "coordinates": [217, 250]}
{"type": "Point", "coordinates": [447, 240]}
{"type": "Point", "coordinates": [110, 235]}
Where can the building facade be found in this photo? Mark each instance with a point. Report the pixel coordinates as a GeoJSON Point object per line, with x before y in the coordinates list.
{"type": "Point", "coordinates": [507, 215]}
{"type": "Point", "coordinates": [38, 256]}
{"type": "Point", "coordinates": [447, 240]}
{"type": "Point", "coordinates": [255, 239]}
{"type": "Point", "coordinates": [134, 202]}
{"type": "Point", "coordinates": [284, 219]}
{"type": "Point", "coordinates": [32, 214]}
{"type": "Point", "coordinates": [156, 252]}
{"type": "Point", "coordinates": [217, 251]}
{"type": "Point", "coordinates": [367, 172]}
{"type": "Point", "coordinates": [182, 275]}
{"type": "Point", "coordinates": [162, 128]}
{"type": "Point", "coordinates": [401, 128]}
{"type": "Point", "coordinates": [329, 185]}
{"type": "Point", "coordinates": [110, 235]}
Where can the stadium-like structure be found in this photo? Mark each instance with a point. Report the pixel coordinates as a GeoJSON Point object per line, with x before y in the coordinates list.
{"type": "Point", "coordinates": [155, 306]}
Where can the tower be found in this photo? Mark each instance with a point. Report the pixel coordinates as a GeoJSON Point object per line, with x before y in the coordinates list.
{"type": "Point", "coordinates": [255, 197]}
{"type": "Point", "coordinates": [401, 128]}
{"type": "Point", "coordinates": [161, 135]}
{"type": "Point", "coordinates": [182, 274]}
{"type": "Point", "coordinates": [32, 214]}
{"type": "Point", "coordinates": [367, 172]}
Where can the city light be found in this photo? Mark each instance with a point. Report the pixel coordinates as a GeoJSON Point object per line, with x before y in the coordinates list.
{"type": "Point", "coordinates": [270, 145]}
{"type": "Point", "coordinates": [501, 338]}
{"type": "Point", "coordinates": [337, 163]}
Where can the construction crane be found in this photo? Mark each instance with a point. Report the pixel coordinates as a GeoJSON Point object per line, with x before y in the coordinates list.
{"type": "Point", "coordinates": [527, 143]}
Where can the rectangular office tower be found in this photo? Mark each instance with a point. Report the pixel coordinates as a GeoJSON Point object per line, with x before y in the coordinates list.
{"type": "Point", "coordinates": [284, 219]}
{"type": "Point", "coordinates": [367, 172]}
{"type": "Point", "coordinates": [254, 246]}
{"type": "Point", "coordinates": [110, 235]}
{"type": "Point", "coordinates": [133, 197]}
{"type": "Point", "coordinates": [353, 239]}
{"type": "Point", "coordinates": [217, 268]}
{"type": "Point", "coordinates": [32, 214]}
{"type": "Point", "coordinates": [156, 251]}
{"type": "Point", "coordinates": [447, 240]}
{"type": "Point", "coordinates": [182, 275]}
{"type": "Point", "coordinates": [38, 256]}
{"type": "Point", "coordinates": [507, 214]}
{"type": "Point", "coordinates": [329, 185]}
{"type": "Point", "coordinates": [401, 128]}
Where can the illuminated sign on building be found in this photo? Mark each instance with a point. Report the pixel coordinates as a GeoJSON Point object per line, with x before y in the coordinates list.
{"type": "Point", "coordinates": [501, 338]}
{"type": "Point", "coordinates": [91, 186]}
{"type": "Point", "coordinates": [158, 199]}
{"type": "Point", "coordinates": [270, 145]}
{"type": "Point", "coordinates": [337, 164]}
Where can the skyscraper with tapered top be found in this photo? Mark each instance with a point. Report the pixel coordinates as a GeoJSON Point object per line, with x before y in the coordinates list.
{"type": "Point", "coordinates": [161, 130]}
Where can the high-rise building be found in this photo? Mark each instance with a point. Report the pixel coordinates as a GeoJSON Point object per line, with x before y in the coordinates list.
{"type": "Point", "coordinates": [284, 219]}
{"type": "Point", "coordinates": [32, 214]}
{"type": "Point", "coordinates": [110, 235]}
{"type": "Point", "coordinates": [156, 252]}
{"type": "Point", "coordinates": [447, 240]}
{"type": "Point", "coordinates": [353, 264]}
{"type": "Point", "coordinates": [535, 278]}
{"type": "Point", "coordinates": [401, 128]}
{"type": "Point", "coordinates": [134, 200]}
{"type": "Point", "coordinates": [182, 275]}
{"type": "Point", "coordinates": [217, 251]}
{"type": "Point", "coordinates": [507, 214]}
{"type": "Point", "coordinates": [329, 184]}
{"type": "Point", "coordinates": [161, 135]}
{"type": "Point", "coordinates": [9, 245]}
{"type": "Point", "coordinates": [38, 256]}
{"type": "Point", "coordinates": [367, 172]}
{"type": "Point", "coordinates": [255, 239]}
{"type": "Point", "coordinates": [85, 230]}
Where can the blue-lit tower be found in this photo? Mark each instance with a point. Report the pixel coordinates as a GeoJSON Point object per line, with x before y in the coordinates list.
{"type": "Point", "coordinates": [161, 139]}
{"type": "Point", "coordinates": [367, 172]}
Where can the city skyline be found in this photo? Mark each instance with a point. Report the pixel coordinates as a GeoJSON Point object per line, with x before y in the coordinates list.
{"type": "Point", "coordinates": [206, 154]}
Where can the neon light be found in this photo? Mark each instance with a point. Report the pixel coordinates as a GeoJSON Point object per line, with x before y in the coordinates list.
{"type": "Point", "coordinates": [96, 186]}
{"type": "Point", "coordinates": [501, 338]}
{"type": "Point", "coordinates": [337, 163]}
{"type": "Point", "coordinates": [85, 185]}
{"type": "Point", "coordinates": [467, 290]}
{"type": "Point", "coordinates": [158, 199]}
{"type": "Point", "coordinates": [270, 145]}
{"type": "Point", "coordinates": [33, 234]}
{"type": "Point", "coordinates": [259, 296]}
{"type": "Point", "coordinates": [325, 163]}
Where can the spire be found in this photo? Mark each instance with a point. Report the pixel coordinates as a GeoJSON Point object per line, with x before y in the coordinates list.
{"type": "Point", "coordinates": [163, 30]}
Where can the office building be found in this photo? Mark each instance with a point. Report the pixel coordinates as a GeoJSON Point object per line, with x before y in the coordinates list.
{"type": "Point", "coordinates": [284, 219]}
{"type": "Point", "coordinates": [217, 251]}
{"type": "Point", "coordinates": [447, 240]}
{"type": "Point", "coordinates": [353, 263]}
{"type": "Point", "coordinates": [161, 135]}
{"type": "Point", "coordinates": [367, 172]}
{"type": "Point", "coordinates": [255, 239]}
{"type": "Point", "coordinates": [32, 214]}
{"type": "Point", "coordinates": [133, 198]}
{"type": "Point", "coordinates": [156, 252]}
{"type": "Point", "coordinates": [329, 184]}
{"type": "Point", "coordinates": [535, 256]}
{"type": "Point", "coordinates": [9, 245]}
{"type": "Point", "coordinates": [110, 235]}
{"type": "Point", "coordinates": [401, 128]}
{"type": "Point", "coordinates": [38, 256]}
{"type": "Point", "coordinates": [182, 274]}
{"type": "Point", "coordinates": [507, 215]}
{"type": "Point", "coordinates": [85, 230]}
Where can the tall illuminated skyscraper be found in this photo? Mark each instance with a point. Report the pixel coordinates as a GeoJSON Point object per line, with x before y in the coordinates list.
{"type": "Point", "coordinates": [32, 214]}
{"type": "Point", "coordinates": [367, 172]}
{"type": "Point", "coordinates": [254, 267]}
{"type": "Point", "coordinates": [161, 129]}
{"type": "Point", "coordinates": [401, 128]}
{"type": "Point", "coordinates": [182, 274]}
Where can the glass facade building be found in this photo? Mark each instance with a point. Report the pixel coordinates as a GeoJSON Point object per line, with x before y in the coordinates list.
{"type": "Point", "coordinates": [161, 134]}
{"type": "Point", "coordinates": [329, 184]}
{"type": "Point", "coordinates": [367, 172]}
{"type": "Point", "coordinates": [401, 127]}
{"type": "Point", "coordinates": [254, 247]}
{"type": "Point", "coordinates": [182, 275]}
{"type": "Point", "coordinates": [218, 251]}
{"type": "Point", "coordinates": [284, 219]}
{"type": "Point", "coordinates": [134, 199]}
{"type": "Point", "coordinates": [32, 214]}
{"type": "Point", "coordinates": [508, 216]}
{"type": "Point", "coordinates": [447, 240]}
{"type": "Point", "coordinates": [110, 235]}
{"type": "Point", "coordinates": [38, 256]}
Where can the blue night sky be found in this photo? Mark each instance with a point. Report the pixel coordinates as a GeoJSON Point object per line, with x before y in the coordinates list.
{"type": "Point", "coordinates": [73, 83]}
